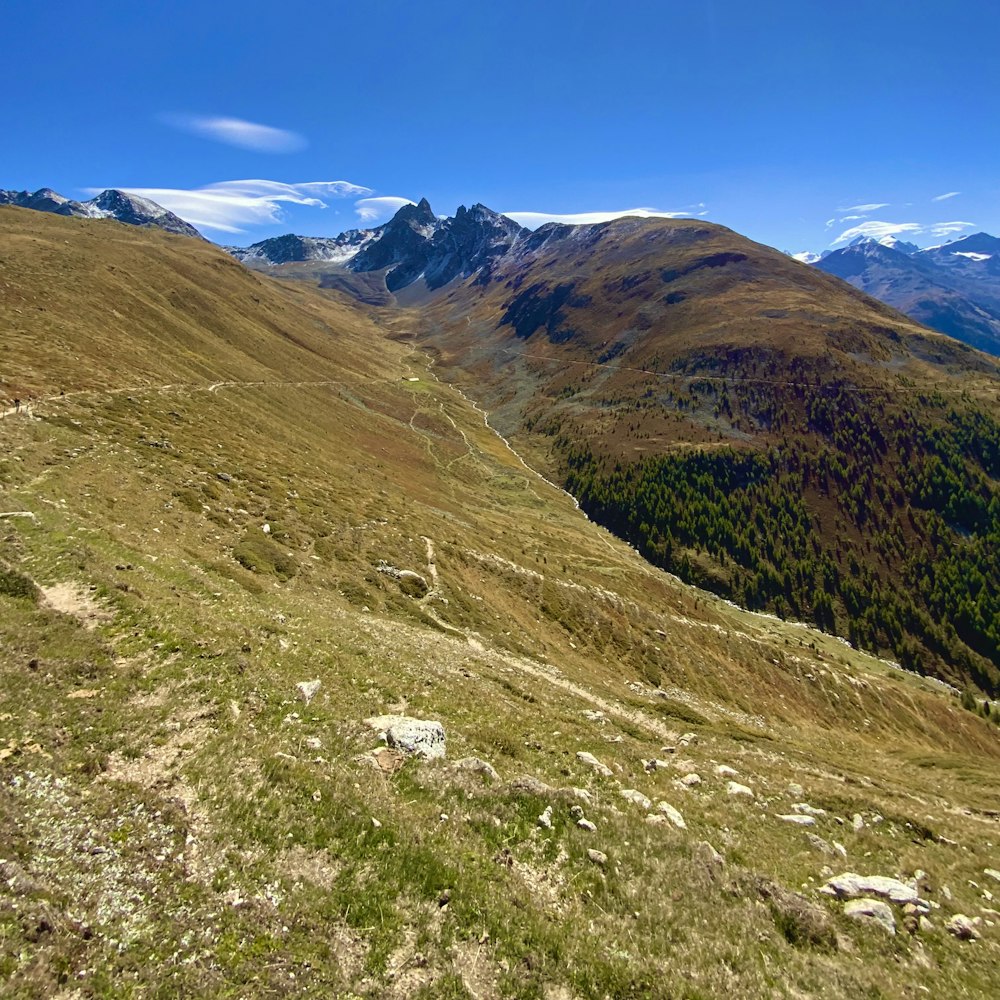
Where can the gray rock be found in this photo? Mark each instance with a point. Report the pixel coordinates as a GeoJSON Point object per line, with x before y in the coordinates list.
{"type": "Point", "coordinates": [797, 819]}
{"type": "Point", "coordinates": [725, 771]}
{"type": "Point", "coordinates": [853, 886]}
{"type": "Point", "coordinates": [704, 851]}
{"type": "Point", "coordinates": [807, 810]}
{"type": "Point", "coordinates": [857, 822]}
{"type": "Point", "coordinates": [734, 788]}
{"type": "Point", "coordinates": [636, 797]}
{"type": "Point", "coordinates": [598, 857]}
{"type": "Point", "coordinates": [420, 737]}
{"type": "Point", "coordinates": [796, 790]}
{"type": "Point", "coordinates": [672, 814]}
{"type": "Point", "coordinates": [308, 689]}
{"type": "Point", "coordinates": [822, 846]}
{"type": "Point", "coordinates": [545, 820]}
{"type": "Point", "coordinates": [531, 785]}
{"type": "Point", "coordinates": [591, 761]}
{"type": "Point", "coordinates": [690, 780]}
{"type": "Point", "coordinates": [585, 824]}
{"type": "Point", "coordinates": [963, 927]}
{"type": "Point", "coordinates": [871, 911]}
{"type": "Point", "coordinates": [477, 766]}
{"type": "Point", "coordinates": [688, 740]}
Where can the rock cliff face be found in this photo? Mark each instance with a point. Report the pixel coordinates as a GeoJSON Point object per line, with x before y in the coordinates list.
{"type": "Point", "coordinates": [413, 244]}
{"type": "Point", "coordinates": [110, 204]}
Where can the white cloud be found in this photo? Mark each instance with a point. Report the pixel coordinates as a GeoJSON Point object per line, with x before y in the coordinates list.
{"type": "Point", "coordinates": [532, 220]}
{"type": "Point", "coordinates": [229, 206]}
{"type": "Point", "coordinates": [877, 230]}
{"type": "Point", "coordinates": [950, 228]}
{"type": "Point", "coordinates": [873, 207]}
{"type": "Point", "coordinates": [851, 218]}
{"type": "Point", "coordinates": [945, 197]}
{"type": "Point", "coordinates": [376, 210]}
{"type": "Point", "coordinates": [237, 132]}
{"type": "Point", "coordinates": [830, 222]}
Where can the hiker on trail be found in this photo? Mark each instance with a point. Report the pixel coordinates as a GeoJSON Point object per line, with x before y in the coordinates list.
{"type": "Point", "coordinates": [17, 406]}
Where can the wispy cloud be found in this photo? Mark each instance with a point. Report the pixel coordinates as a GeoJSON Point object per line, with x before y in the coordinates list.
{"type": "Point", "coordinates": [532, 220]}
{"type": "Point", "coordinates": [946, 196]}
{"type": "Point", "coordinates": [376, 210]}
{"type": "Point", "coordinates": [851, 218]}
{"type": "Point", "coordinates": [830, 222]}
{"type": "Point", "coordinates": [238, 132]}
{"type": "Point", "coordinates": [230, 206]}
{"type": "Point", "coordinates": [873, 207]}
{"type": "Point", "coordinates": [950, 228]}
{"type": "Point", "coordinates": [877, 230]}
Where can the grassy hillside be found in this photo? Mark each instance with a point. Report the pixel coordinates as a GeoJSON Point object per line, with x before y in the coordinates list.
{"type": "Point", "coordinates": [205, 506]}
{"type": "Point", "coordinates": [754, 426]}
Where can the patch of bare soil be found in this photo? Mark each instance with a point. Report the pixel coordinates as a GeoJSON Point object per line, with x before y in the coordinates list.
{"type": "Point", "coordinates": [72, 599]}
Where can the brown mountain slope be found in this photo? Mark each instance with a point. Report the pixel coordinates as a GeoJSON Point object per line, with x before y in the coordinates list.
{"type": "Point", "coordinates": [178, 816]}
{"type": "Point", "coordinates": [758, 427]}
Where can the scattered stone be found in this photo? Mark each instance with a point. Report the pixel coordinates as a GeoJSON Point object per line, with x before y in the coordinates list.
{"type": "Point", "coordinates": [963, 927]}
{"type": "Point", "coordinates": [822, 846]}
{"type": "Point", "coordinates": [545, 819]}
{"type": "Point", "coordinates": [734, 788]}
{"type": "Point", "coordinates": [668, 749]}
{"type": "Point", "coordinates": [725, 771]}
{"type": "Point", "coordinates": [314, 743]}
{"type": "Point", "coordinates": [871, 911]}
{"type": "Point", "coordinates": [592, 715]}
{"type": "Point", "coordinates": [685, 766]}
{"type": "Point", "coordinates": [376, 823]}
{"type": "Point", "coordinates": [857, 822]}
{"type": "Point", "coordinates": [531, 785]}
{"type": "Point", "coordinates": [807, 810]}
{"type": "Point", "coordinates": [924, 925]}
{"type": "Point", "coordinates": [796, 818]}
{"type": "Point", "coordinates": [585, 824]}
{"type": "Point", "coordinates": [636, 797]}
{"type": "Point", "coordinates": [706, 852]}
{"type": "Point", "coordinates": [266, 528]}
{"type": "Point", "coordinates": [224, 477]}
{"type": "Point", "coordinates": [853, 886]}
{"type": "Point", "coordinates": [655, 765]}
{"type": "Point", "coordinates": [591, 761]}
{"type": "Point", "coordinates": [308, 689]}
{"type": "Point", "coordinates": [796, 790]}
{"type": "Point", "coordinates": [477, 766]}
{"type": "Point", "coordinates": [672, 814]}
{"type": "Point", "coordinates": [598, 857]}
{"type": "Point", "coordinates": [690, 780]}
{"type": "Point", "coordinates": [420, 737]}
{"type": "Point", "coordinates": [688, 740]}
{"type": "Point", "coordinates": [993, 873]}
{"type": "Point", "coordinates": [655, 819]}
{"type": "Point", "coordinates": [576, 812]}
{"type": "Point", "coordinates": [582, 794]}
{"type": "Point", "coordinates": [840, 849]}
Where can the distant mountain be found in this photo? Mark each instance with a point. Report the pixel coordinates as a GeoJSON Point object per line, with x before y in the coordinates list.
{"type": "Point", "coordinates": [953, 288]}
{"type": "Point", "coordinates": [414, 244]}
{"type": "Point", "coordinates": [290, 249]}
{"type": "Point", "coordinates": [110, 204]}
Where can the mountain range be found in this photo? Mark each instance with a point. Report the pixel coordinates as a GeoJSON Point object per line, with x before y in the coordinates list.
{"type": "Point", "coordinates": [313, 682]}
{"type": "Point", "coordinates": [109, 204]}
{"type": "Point", "coordinates": [953, 288]}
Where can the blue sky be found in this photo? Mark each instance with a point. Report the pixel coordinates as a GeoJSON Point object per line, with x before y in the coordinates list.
{"type": "Point", "coordinates": [777, 119]}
